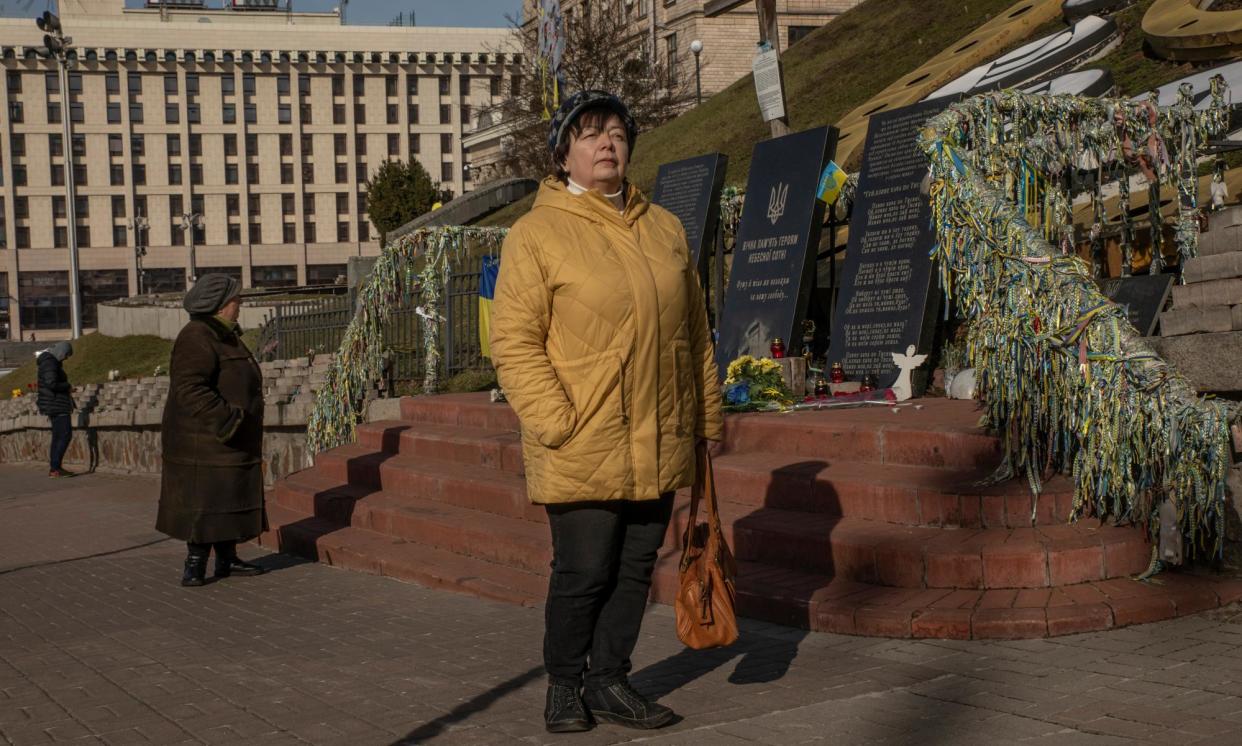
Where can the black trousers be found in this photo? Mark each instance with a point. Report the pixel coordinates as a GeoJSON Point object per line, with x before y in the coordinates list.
{"type": "Point", "coordinates": [224, 549]}
{"type": "Point", "coordinates": [62, 434]}
{"type": "Point", "coordinates": [603, 554]}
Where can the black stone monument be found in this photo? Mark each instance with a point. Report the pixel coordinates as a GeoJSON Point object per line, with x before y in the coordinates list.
{"type": "Point", "coordinates": [774, 252]}
{"type": "Point", "coordinates": [885, 303]}
{"type": "Point", "coordinates": [690, 189]}
{"type": "Point", "coordinates": [1143, 297]}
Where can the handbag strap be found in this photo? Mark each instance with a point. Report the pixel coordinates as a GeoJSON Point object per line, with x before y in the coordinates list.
{"type": "Point", "coordinates": [704, 490]}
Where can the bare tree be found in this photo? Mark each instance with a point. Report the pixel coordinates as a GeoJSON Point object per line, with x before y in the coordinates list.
{"type": "Point", "coordinates": [603, 50]}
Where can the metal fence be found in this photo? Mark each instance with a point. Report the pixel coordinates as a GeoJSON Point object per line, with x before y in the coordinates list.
{"type": "Point", "coordinates": [296, 329]}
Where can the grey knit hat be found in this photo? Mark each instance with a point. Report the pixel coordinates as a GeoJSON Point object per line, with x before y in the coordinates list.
{"type": "Point", "coordinates": [210, 293]}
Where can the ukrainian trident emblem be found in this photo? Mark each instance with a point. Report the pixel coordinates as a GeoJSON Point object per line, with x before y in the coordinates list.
{"type": "Point", "coordinates": [776, 202]}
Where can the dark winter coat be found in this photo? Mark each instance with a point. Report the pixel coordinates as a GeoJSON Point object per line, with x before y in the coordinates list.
{"type": "Point", "coordinates": [213, 438]}
{"type": "Point", "coordinates": [55, 393]}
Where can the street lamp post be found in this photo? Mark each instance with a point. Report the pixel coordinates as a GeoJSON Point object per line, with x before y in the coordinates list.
{"type": "Point", "coordinates": [696, 47]}
{"type": "Point", "coordinates": [57, 46]}
{"type": "Point", "coordinates": [139, 226]}
{"type": "Point", "coordinates": [190, 221]}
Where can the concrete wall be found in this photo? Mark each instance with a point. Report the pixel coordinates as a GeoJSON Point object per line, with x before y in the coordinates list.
{"type": "Point", "coordinates": [158, 321]}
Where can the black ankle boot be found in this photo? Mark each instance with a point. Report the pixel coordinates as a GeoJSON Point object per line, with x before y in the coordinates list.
{"type": "Point", "coordinates": [621, 705]}
{"type": "Point", "coordinates": [195, 570]}
{"type": "Point", "coordinates": [228, 563]}
{"type": "Point", "coordinates": [564, 712]}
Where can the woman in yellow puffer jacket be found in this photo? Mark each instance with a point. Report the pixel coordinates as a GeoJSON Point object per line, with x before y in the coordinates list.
{"type": "Point", "coordinates": [601, 345]}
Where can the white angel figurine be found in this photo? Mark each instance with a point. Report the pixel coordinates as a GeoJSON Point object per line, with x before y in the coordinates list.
{"type": "Point", "coordinates": [907, 363]}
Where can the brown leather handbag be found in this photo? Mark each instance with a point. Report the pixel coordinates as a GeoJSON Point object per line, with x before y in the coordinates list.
{"type": "Point", "coordinates": [706, 599]}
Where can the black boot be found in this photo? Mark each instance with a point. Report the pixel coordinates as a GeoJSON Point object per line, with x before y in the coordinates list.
{"type": "Point", "coordinates": [621, 705]}
{"type": "Point", "coordinates": [564, 712]}
{"type": "Point", "coordinates": [195, 570]}
{"type": "Point", "coordinates": [228, 563]}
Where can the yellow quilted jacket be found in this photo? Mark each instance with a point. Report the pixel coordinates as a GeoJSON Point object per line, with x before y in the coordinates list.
{"type": "Point", "coordinates": [600, 341]}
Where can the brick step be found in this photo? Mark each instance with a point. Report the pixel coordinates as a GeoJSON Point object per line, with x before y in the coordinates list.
{"type": "Point", "coordinates": [942, 433]}
{"type": "Point", "coordinates": [355, 548]}
{"type": "Point", "coordinates": [794, 598]}
{"type": "Point", "coordinates": [426, 502]}
{"type": "Point", "coordinates": [908, 495]}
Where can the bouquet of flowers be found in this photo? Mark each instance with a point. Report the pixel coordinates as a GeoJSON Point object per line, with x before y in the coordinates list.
{"type": "Point", "coordinates": [755, 384]}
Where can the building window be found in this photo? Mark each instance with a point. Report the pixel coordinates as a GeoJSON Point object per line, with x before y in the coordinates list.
{"type": "Point", "coordinates": [112, 83]}
{"type": "Point", "coordinates": [79, 175]}
{"type": "Point", "coordinates": [21, 237]}
{"type": "Point", "coordinates": [75, 83]}
{"type": "Point", "coordinates": [444, 85]}
{"type": "Point", "coordinates": [283, 276]}
{"type": "Point", "coordinates": [44, 298]}
{"type": "Point", "coordinates": [360, 172]}
{"type": "Point", "coordinates": [118, 206]}
{"type": "Point", "coordinates": [446, 115]}
{"type": "Point", "coordinates": [252, 172]}
{"type": "Point", "coordinates": [228, 85]}
{"type": "Point", "coordinates": [60, 237]}
{"type": "Point", "coordinates": [324, 274]}
{"type": "Point", "coordinates": [338, 113]}
{"type": "Point", "coordinates": [255, 233]}
{"type": "Point", "coordinates": [515, 86]}
{"type": "Point", "coordinates": [82, 207]}
{"type": "Point", "coordinates": [193, 114]}
{"type": "Point", "coordinates": [234, 233]}
{"type": "Point", "coordinates": [338, 85]}
{"type": "Point", "coordinates": [58, 207]}
{"type": "Point", "coordinates": [465, 115]}
{"type": "Point", "coordinates": [53, 113]}
{"type": "Point", "coordinates": [289, 233]}
{"type": "Point", "coordinates": [55, 145]}
{"type": "Point", "coordinates": [172, 114]}
{"type": "Point", "coordinates": [19, 174]}
{"type": "Point", "coordinates": [252, 145]}
{"type": "Point", "coordinates": [174, 144]}
{"type": "Point", "coordinates": [308, 144]}
{"type": "Point", "coordinates": [360, 113]}
{"type": "Point", "coordinates": [230, 173]}
{"type": "Point", "coordinates": [174, 173]}
{"type": "Point", "coordinates": [390, 85]}
{"type": "Point", "coordinates": [411, 85]}
{"type": "Point", "coordinates": [252, 114]}
{"type": "Point", "coordinates": [140, 205]}
{"type": "Point", "coordinates": [446, 143]}
{"type": "Point", "coordinates": [15, 85]}
{"type": "Point", "coordinates": [114, 113]}
{"type": "Point", "coordinates": [230, 144]}
{"type": "Point", "coordinates": [364, 231]}
{"type": "Point", "coordinates": [415, 143]}
{"type": "Point", "coordinates": [196, 173]}
{"type": "Point", "coordinates": [177, 234]}
{"type": "Point", "coordinates": [446, 171]}
{"type": "Point", "coordinates": [116, 145]}
{"type": "Point", "coordinates": [286, 204]}
{"type": "Point", "coordinates": [175, 206]}
{"type": "Point", "coordinates": [284, 114]}
{"type": "Point", "coordinates": [338, 145]}
{"type": "Point", "coordinates": [116, 175]}
{"type": "Point", "coordinates": [391, 113]}
{"type": "Point", "coordinates": [228, 114]}
{"type": "Point", "coordinates": [134, 83]}
{"type": "Point", "coordinates": [170, 84]}
{"type": "Point", "coordinates": [413, 113]}
{"type": "Point", "coordinates": [304, 85]}
{"type": "Point", "coordinates": [282, 85]}
{"type": "Point", "coordinates": [53, 82]}
{"type": "Point", "coordinates": [79, 146]}
{"type": "Point", "coordinates": [342, 176]}
{"type": "Point", "coordinates": [77, 112]}
{"type": "Point", "coordinates": [137, 145]}
{"type": "Point", "coordinates": [360, 84]}
{"type": "Point", "coordinates": [394, 144]}
{"type": "Point", "coordinates": [360, 144]}
{"type": "Point", "coordinates": [342, 203]}
{"type": "Point", "coordinates": [140, 174]}
{"type": "Point", "coordinates": [248, 85]}
{"type": "Point", "coordinates": [232, 205]}
{"type": "Point", "coordinates": [286, 173]}
{"type": "Point", "coordinates": [253, 204]}
{"type": "Point", "coordinates": [342, 232]}
{"type": "Point", "coordinates": [305, 113]}
{"type": "Point", "coordinates": [308, 173]}
{"type": "Point", "coordinates": [308, 233]}
{"type": "Point", "coordinates": [191, 84]}
{"type": "Point", "coordinates": [57, 175]}
{"type": "Point", "coordinates": [120, 236]}
{"type": "Point", "coordinates": [670, 53]}
{"type": "Point", "coordinates": [17, 142]}
{"type": "Point", "coordinates": [196, 144]}
{"type": "Point", "coordinates": [464, 85]}
{"type": "Point", "coordinates": [135, 113]}
{"type": "Point", "coordinates": [494, 86]}
{"type": "Point", "coordinates": [83, 236]}
{"type": "Point", "coordinates": [798, 33]}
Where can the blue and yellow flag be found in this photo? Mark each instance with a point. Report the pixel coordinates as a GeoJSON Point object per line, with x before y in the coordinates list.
{"type": "Point", "coordinates": [487, 292]}
{"type": "Point", "coordinates": [831, 182]}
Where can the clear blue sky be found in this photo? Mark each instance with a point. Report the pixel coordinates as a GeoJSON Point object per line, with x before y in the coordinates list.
{"type": "Point", "coordinates": [371, 12]}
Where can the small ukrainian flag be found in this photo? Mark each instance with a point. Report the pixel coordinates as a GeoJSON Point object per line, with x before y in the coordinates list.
{"type": "Point", "coordinates": [831, 182]}
{"type": "Point", "coordinates": [487, 293]}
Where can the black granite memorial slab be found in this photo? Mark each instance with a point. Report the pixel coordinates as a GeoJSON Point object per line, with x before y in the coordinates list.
{"type": "Point", "coordinates": [774, 253]}
{"type": "Point", "coordinates": [690, 189]}
{"type": "Point", "coordinates": [1143, 297]}
{"type": "Point", "coordinates": [885, 302]}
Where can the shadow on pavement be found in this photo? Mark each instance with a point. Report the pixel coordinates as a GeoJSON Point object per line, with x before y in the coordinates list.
{"type": "Point", "coordinates": [108, 553]}
{"type": "Point", "coordinates": [474, 706]}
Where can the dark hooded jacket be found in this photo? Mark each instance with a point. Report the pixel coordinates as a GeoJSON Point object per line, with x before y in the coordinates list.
{"type": "Point", "coordinates": [55, 393]}
{"type": "Point", "coordinates": [212, 437]}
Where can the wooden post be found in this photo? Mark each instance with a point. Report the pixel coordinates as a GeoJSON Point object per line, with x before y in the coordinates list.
{"type": "Point", "coordinates": [769, 31]}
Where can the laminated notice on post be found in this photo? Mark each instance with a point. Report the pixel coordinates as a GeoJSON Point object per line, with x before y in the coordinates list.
{"type": "Point", "coordinates": [767, 69]}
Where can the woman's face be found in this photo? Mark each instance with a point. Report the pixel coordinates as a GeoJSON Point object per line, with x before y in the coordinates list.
{"type": "Point", "coordinates": [230, 310]}
{"type": "Point", "coordinates": [599, 154]}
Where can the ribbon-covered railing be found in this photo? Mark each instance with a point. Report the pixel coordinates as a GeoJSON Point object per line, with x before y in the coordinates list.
{"type": "Point", "coordinates": [417, 262]}
{"type": "Point", "coordinates": [1066, 381]}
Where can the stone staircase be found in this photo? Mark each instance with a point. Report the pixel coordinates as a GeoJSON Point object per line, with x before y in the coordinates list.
{"type": "Point", "coordinates": [854, 521]}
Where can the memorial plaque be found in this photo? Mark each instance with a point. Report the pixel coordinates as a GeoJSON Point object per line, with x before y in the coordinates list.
{"type": "Point", "coordinates": [774, 253]}
{"type": "Point", "coordinates": [690, 189]}
{"type": "Point", "coordinates": [885, 303]}
{"type": "Point", "coordinates": [1143, 297]}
